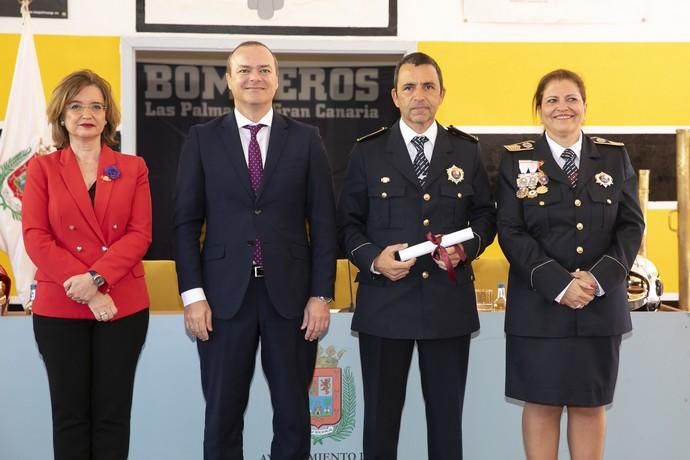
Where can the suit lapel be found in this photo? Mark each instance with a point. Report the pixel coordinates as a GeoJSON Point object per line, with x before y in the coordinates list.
{"type": "Point", "coordinates": [74, 182]}
{"type": "Point", "coordinates": [103, 188]}
{"type": "Point", "coordinates": [589, 162]}
{"type": "Point", "coordinates": [276, 146]}
{"type": "Point", "coordinates": [439, 156]}
{"type": "Point", "coordinates": [400, 155]}
{"type": "Point", "coordinates": [232, 151]}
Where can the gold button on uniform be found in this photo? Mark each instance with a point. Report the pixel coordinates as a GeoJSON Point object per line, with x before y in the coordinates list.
{"type": "Point", "coordinates": [426, 197]}
{"type": "Point", "coordinates": [79, 249]}
{"type": "Point", "coordinates": [425, 222]}
{"type": "Point", "coordinates": [459, 195]}
{"type": "Point", "coordinates": [579, 226]}
{"type": "Point", "coordinates": [578, 203]}
{"type": "Point", "coordinates": [104, 248]}
{"type": "Point", "coordinates": [425, 275]}
{"type": "Point", "coordinates": [115, 226]}
{"type": "Point", "coordinates": [384, 195]}
{"type": "Point", "coordinates": [580, 250]}
{"type": "Point", "coordinates": [72, 227]}
{"type": "Point", "coordinates": [541, 203]}
{"type": "Point", "coordinates": [608, 200]}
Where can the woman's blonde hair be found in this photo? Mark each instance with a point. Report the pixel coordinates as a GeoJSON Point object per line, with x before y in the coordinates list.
{"type": "Point", "coordinates": [63, 94]}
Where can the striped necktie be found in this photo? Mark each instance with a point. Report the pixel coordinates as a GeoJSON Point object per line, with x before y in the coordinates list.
{"type": "Point", "coordinates": [421, 164]}
{"type": "Point", "coordinates": [570, 168]}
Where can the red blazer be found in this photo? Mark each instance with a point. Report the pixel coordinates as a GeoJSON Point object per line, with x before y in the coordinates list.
{"type": "Point", "coordinates": [65, 235]}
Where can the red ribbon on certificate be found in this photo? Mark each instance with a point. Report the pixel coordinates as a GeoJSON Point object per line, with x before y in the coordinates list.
{"type": "Point", "coordinates": [440, 253]}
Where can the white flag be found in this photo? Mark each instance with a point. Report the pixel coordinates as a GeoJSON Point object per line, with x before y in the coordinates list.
{"type": "Point", "coordinates": [26, 131]}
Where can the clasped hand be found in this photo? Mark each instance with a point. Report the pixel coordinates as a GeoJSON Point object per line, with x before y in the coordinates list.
{"type": "Point", "coordinates": [392, 269]}
{"type": "Point", "coordinates": [102, 307]}
{"type": "Point", "coordinates": [581, 290]}
{"type": "Point", "coordinates": [80, 288]}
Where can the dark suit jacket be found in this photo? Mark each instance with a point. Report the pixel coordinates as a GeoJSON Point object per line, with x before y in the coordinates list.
{"type": "Point", "coordinates": [66, 235]}
{"type": "Point", "coordinates": [541, 236]}
{"type": "Point", "coordinates": [292, 213]}
{"type": "Point", "coordinates": [382, 203]}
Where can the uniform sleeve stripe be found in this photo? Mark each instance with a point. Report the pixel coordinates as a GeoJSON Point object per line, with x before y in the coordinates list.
{"type": "Point", "coordinates": [352, 253]}
{"type": "Point", "coordinates": [625, 270]}
{"type": "Point", "coordinates": [531, 275]}
{"type": "Point", "coordinates": [479, 246]}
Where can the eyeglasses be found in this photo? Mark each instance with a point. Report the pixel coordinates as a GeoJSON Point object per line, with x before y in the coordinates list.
{"type": "Point", "coordinates": [93, 108]}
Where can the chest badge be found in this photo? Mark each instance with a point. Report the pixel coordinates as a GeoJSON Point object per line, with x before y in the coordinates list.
{"type": "Point", "coordinates": [455, 174]}
{"type": "Point", "coordinates": [603, 179]}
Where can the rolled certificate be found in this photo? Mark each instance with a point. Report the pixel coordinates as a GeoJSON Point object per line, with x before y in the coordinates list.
{"type": "Point", "coordinates": [428, 247]}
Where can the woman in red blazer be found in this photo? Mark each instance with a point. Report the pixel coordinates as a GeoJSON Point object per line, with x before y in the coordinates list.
{"type": "Point", "coordinates": [87, 224]}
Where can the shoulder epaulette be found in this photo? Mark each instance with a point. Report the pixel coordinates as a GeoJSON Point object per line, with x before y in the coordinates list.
{"type": "Point", "coordinates": [602, 141]}
{"type": "Point", "coordinates": [376, 133]}
{"type": "Point", "coordinates": [520, 146]}
{"type": "Point", "coordinates": [456, 132]}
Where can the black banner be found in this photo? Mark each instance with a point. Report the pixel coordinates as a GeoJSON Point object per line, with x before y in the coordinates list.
{"type": "Point", "coordinates": [343, 102]}
{"type": "Point", "coordinates": [39, 8]}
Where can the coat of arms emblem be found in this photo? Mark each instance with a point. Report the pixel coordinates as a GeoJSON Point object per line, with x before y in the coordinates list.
{"type": "Point", "coordinates": [13, 172]}
{"type": "Point", "coordinates": [332, 398]}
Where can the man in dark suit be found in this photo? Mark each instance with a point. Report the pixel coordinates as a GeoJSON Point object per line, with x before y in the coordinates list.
{"type": "Point", "coordinates": [261, 184]}
{"type": "Point", "coordinates": [403, 182]}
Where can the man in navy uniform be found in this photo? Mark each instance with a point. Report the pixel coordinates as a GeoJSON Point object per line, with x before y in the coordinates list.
{"type": "Point", "coordinates": [403, 182]}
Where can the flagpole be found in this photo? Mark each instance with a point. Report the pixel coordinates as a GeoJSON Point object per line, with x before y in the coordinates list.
{"type": "Point", "coordinates": [24, 6]}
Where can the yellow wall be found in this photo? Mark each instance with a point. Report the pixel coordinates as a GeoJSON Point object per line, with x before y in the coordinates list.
{"type": "Point", "coordinates": [627, 83]}
{"type": "Point", "coordinates": [662, 245]}
{"type": "Point", "coordinates": [59, 55]}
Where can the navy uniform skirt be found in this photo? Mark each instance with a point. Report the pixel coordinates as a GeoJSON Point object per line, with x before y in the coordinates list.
{"type": "Point", "coordinates": [570, 371]}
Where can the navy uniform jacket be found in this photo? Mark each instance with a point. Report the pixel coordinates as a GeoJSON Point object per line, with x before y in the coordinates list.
{"type": "Point", "coordinates": [382, 203]}
{"type": "Point", "coordinates": [592, 227]}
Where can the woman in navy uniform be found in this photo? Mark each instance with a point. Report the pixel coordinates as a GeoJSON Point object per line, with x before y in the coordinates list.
{"type": "Point", "coordinates": [570, 224]}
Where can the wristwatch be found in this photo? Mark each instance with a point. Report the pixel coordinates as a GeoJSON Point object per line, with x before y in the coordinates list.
{"type": "Point", "coordinates": [98, 280]}
{"type": "Point", "coordinates": [325, 299]}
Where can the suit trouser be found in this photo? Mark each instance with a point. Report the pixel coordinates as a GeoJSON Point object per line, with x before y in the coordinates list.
{"type": "Point", "coordinates": [227, 366]}
{"type": "Point", "coordinates": [385, 367]}
{"type": "Point", "coordinates": [91, 367]}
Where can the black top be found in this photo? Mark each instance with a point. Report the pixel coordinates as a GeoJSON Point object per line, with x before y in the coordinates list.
{"type": "Point", "coordinates": [92, 193]}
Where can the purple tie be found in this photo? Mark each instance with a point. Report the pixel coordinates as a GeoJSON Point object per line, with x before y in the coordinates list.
{"type": "Point", "coordinates": [256, 170]}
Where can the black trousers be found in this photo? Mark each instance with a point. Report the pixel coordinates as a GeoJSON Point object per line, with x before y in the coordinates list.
{"type": "Point", "coordinates": [91, 369]}
{"type": "Point", "coordinates": [227, 366]}
{"type": "Point", "coordinates": [443, 370]}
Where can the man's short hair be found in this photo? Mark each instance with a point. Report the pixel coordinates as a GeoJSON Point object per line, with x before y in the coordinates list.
{"type": "Point", "coordinates": [417, 59]}
{"type": "Point", "coordinates": [251, 43]}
